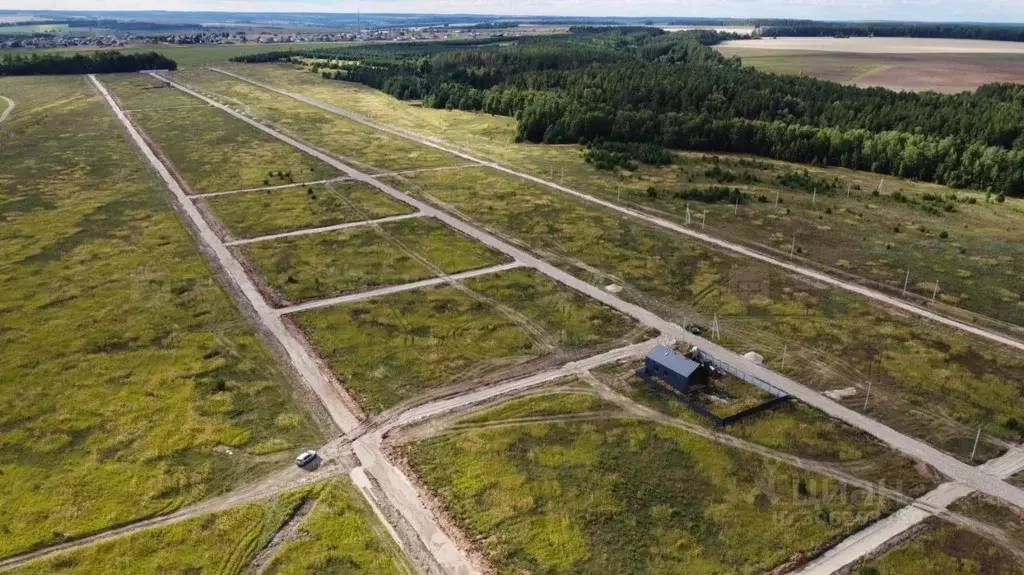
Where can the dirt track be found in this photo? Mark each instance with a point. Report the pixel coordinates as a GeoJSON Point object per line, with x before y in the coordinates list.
{"type": "Point", "coordinates": [7, 110]}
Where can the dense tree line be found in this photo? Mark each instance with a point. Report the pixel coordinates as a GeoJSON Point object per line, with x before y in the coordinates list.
{"type": "Point", "coordinates": [643, 86]}
{"type": "Point", "coordinates": [95, 63]}
{"type": "Point", "coordinates": [1006, 33]}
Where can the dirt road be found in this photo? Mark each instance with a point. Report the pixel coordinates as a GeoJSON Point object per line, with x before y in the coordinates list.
{"type": "Point", "coordinates": [660, 222]}
{"type": "Point", "coordinates": [7, 110]}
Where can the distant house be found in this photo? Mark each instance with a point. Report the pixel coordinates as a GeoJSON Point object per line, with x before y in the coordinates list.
{"type": "Point", "coordinates": [675, 369]}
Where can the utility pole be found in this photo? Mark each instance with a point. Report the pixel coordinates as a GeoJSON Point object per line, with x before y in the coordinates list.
{"type": "Point", "coordinates": [847, 190]}
{"type": "Point", "coordinates": [935, 292]}
{"type": "Point", "coordinates": [783, 366]}
{"type": "Point", "coordinates": [974, 451]}
{"type": "Point", "coordinates": [737, 210]}
{"type": "Point", "coordinates": [714, 329]}
{"type": "Point", "coordinates": [792, 248]}
{"type": "Point", "coordinates": [814, 197]}
{"type": "Point", "coordinates": [906, 282]}
{"type": "Point", "coordinates": [868, 396]}
{"type": "Point", "coordinates": [687, 213]}
{"type": "Point", "coordinates": [776, 198]}
{"type": "Point", "coordinates": [703, 219]}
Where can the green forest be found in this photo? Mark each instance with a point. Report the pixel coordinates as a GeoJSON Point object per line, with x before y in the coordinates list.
{"type": "Point", "coordinates": [638, 85]}
{"type": "Point", "coordinates": [95, 63]}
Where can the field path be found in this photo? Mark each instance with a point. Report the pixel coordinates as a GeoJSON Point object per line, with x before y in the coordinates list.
{"type": "Point", "coordinates": [7, 110]}
{"type": "Point", "coordinates": [660, 222]}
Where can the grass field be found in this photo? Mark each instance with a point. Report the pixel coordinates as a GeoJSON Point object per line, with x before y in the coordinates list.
{"type": "Point", "coordinates": [213, 151]}
{"type": "Point", "coordinates": [945, 548]}
{"type": "Point", "coordinates": [29, 29]}
{"type": "Point", "coordinates": [370, 149]}
{"type": "Point", "coordinates": [254, 214]}
{"type": "Point", "coordinates": [217, 543]}
{"type": "Point", "coordinates": [935, 383]}
{"type": "Point", "coordinates": [125, 362]}
{"type": "Point", "coordinates": [341, 534]}
{"type": "Point", "coordinates": [393, 348]}
{"type": "Point", "coordinates": [875, 239]}
{"type": "Point", "coordinates": [321, 265]}
{"type": "Point", "coordinates": [620, 496]}
{"type": "Point", "coordinates": [794, 428]}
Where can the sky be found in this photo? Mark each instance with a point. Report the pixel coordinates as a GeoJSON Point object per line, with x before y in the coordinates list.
{"type": "Point", "coordinates": [923, 10]}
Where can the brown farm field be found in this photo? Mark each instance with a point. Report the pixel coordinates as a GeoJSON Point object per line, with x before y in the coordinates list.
{"type": "Point", "coordinates": [940, 72]}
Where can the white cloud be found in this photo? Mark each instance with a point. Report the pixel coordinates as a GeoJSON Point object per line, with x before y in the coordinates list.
{"type": "Point", "coordinates": [925, 10]}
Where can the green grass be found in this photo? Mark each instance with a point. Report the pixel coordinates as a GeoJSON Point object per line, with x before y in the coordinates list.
{"type": "Point", "coordinates": [936, 383]}
{"type": "Point", "coordinates": [218, 543]}
{"type": "Point", "coordinates": [945, 548]}
{"type": "Point", "coordinates": [341, 534]}
{"type": "Point", "coordinates": [794, 428]}
{"type": "Point", "coordinates": [29, 29]}
{"type": "Point", "coordinates": [125, 362]}
{"type": "Point", "coordinates": [978, 266]}
{"type": "Point", "coordinates": [541, 405]}
{"type": "Point", "coordinates": [212, 150]}
{"type": "Point", "coordinates": [369, 148]}
{"type": "Point", "coordinates": [253, 214]}
{"type": "Point", "coordinates": [321, 265]}
{"type": "Point", "coordinates": [394, 348]}
{"type": "Point", "coordinates": [622, 496]}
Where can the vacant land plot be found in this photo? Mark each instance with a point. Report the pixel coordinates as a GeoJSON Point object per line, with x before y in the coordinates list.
{"type": "Point", "coordinates": [253, 214]}
{"type": "Point", "coordinates": [946, 73]}
{"type": "Point", "coordinates": [335, 530]}
{"type": "Point", "coordinates": [316, 266]}
{"type": "Point", "coordinates": [945, 548]}
{"type": "Point", "coordinates": [210, 149]}
{"type": "Point", "coordinates": [979, 264]}
{"type": "Point", "coordinates": [127, 368]}
{"type": "Point", "coordinates": [390, 349]}
{"type": "Point", "coordinates": [221, 543]}
{"type": "Point", "coordinates": [341, 534]}
{"type": "Point", "coordinates": [938, 378]}
{"type": "Point", "coordinates": [621, 496]}
{"type": "Point", "coordinates": [793, 428]}
{"type": "Point", "coordinates": [370, 148]}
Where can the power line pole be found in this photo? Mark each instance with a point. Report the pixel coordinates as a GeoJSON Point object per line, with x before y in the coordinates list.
{"type": "Point", "coordinates": [703, 219]}
{"type": "Point", "coordinates": [792, 248]}
{"type": "Point", "coordinates": [737, 210]}
{"type": "Point", "coordinates": [935, 292]}
{"type": "Point", "coordinates": [868, 396]}
{"type": "Point", "coordinates": [783, 366]}
{"type": "Point", "coordinates": [687, 213]}
{"type": "Point", "coordinates": [814, 197]}
{"type": "Point", "coordinates": [977, 438]}
{"type": "Point", "coordinates": [906, 282]}
{"type": "Point", "coordinates": [714, 329]}
{"type": "Point", "coordinates": [776, 198]}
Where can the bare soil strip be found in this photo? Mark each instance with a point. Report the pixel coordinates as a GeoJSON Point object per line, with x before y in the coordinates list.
{"type": "Point", "coordinates": [8, 109]}
{"type": "Point", "coordinates": [660, 222]}
{"type": "Point", "coordinates": [942, 462]}
{"type": "Point", "coordinates": [370, 294]}
{"type": "Point", "coordinates": [336, 227]}
{"type": "Point", "coordinates": [268, 188]}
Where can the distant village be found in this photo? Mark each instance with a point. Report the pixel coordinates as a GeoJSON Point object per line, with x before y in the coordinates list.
{"type": "Point", "coordinates": [106, 40]}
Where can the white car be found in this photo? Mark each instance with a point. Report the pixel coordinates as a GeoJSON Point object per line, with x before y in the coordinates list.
{"type": "Point", "coordinates": [305, 458]}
